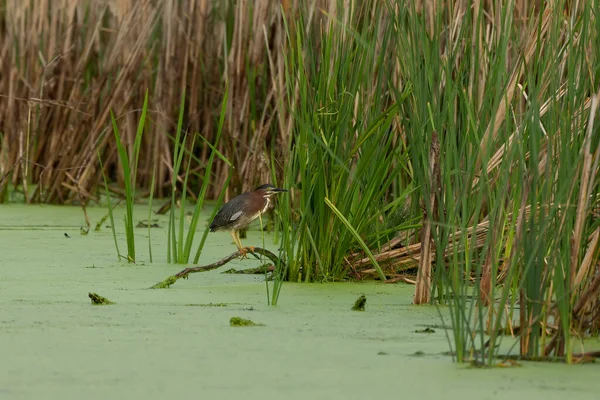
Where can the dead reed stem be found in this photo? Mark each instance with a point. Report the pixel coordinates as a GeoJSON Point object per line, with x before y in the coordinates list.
{"type": "Point", "coordinates": [98, 56]}
{"type": "Point", "coordinates": [430, 215]}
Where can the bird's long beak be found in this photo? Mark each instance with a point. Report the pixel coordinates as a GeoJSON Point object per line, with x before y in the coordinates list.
{"type": "Point", "coordinates": [278, 190]}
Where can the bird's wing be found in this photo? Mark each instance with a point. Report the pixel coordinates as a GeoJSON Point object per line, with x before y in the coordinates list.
{"type": "Point", "coordinates": [236, 215]}
{"type": "Point", "coordinates": [233, 209]}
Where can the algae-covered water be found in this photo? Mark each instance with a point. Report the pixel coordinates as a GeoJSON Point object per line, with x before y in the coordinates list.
{"type": "Point", "coordinates": [177, 343]}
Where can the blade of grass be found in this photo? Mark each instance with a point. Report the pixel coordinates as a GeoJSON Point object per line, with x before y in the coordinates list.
{"type": "Point", "coordinates": [205, 182]}
{"type": "Point", "coordinates": [354, 233]}
{"type": "Point", "coordinates": [110, 209]}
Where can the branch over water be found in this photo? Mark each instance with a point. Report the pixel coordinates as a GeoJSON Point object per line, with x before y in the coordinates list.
{"type": "Point", "coordinates": [185, 272]}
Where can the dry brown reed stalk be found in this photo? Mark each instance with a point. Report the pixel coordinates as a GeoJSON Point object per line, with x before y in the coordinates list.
{"type": "Point", "coordinates": [422, 293]}
{"type": "Point", "coordinates": [534, 43]}
{"type": "Point", "coordinates": [66, 64]}
{"type": "Point", "coordinates": [588, 176]}
{"type": "Point", "coordinates": [489, 267]}
{"type": "Point", "coordinates": [78, 59]}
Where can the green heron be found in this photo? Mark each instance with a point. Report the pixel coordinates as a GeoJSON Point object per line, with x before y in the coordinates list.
{"type": "Point", "coordinates": [240, 211]}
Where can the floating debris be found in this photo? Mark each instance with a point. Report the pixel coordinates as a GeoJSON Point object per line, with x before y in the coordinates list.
{"type": "Point", "coordinates": [237, 321]}
{"type": "Point", "coordinates": [206, 305]}
{"type": "Point", "coordinates": [426, 330]}
{"type": "Point", "coordinates": [102, 220]}
{"type": "Point", "coordinates": [508, 364]}
{"type": "Point", "coordinates": [99, 300]}
{"type": "Point", "coordinates": [144, 224]}
{"type": "Point", "coordinates": [360, 303]}
{"type": "Point", "coordinates": [164, 208]}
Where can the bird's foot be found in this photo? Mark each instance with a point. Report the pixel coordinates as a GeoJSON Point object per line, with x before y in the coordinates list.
{"type": "Point", "coordinates": [245, 250]}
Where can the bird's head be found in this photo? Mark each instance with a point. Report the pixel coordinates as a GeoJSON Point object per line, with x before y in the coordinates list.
{"type": "Point", "coordinates": [268, 190]}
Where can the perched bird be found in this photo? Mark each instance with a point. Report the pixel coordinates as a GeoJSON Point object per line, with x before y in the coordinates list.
{"type": "Point", "coordinates": [240, 211]}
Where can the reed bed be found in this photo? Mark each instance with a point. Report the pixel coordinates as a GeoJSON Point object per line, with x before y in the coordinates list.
{"type": "Point", "coordinates": [66, 64]}
{"type": "Point", "coordinates": [454, 138]}
{"type": "Point", "coordinates": [513, 90]}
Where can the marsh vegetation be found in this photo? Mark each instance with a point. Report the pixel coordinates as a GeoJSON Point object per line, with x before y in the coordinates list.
{"type": "Point", "coordinates": [453, 143]}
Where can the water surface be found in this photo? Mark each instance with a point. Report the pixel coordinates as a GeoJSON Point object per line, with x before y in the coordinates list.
{"type": "Point", "coordinates": [177, 343]}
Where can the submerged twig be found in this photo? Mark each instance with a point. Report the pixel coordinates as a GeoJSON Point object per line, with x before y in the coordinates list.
{"type": "Point", "coordinates": [204, 268]}
{"type": "Point", "coordinates": [99, 300]}
{"type": "Point", "coordinates": [589, 356]}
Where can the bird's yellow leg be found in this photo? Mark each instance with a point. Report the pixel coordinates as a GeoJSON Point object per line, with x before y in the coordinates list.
{"type": "Point", "coordinates": [238, 243]}
{"type": "Point", "coordinates": [251, 248]}
{"type": "Point", "coordinates": [236, 240]}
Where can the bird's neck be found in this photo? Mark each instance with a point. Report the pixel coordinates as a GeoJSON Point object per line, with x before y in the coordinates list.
{"type": "Point", "coordinates": [267, 204]}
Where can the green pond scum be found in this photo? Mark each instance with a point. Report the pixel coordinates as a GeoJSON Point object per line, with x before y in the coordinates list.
{"type": "Point", "coordinates": [178, 343]}
{"type": "Point", "coordinates": [238, 321]}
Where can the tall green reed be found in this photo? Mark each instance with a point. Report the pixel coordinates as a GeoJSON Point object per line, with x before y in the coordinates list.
{"type": "Point", "coordinates": [110, 209]}
{"type": "Point", "coordinates": [345, 156]}
{"type": "Point", "coordinates": [129, 164]}
{"type": "Point", "coordinates": [512, 122]}
{"type": "Point", "coordinates": [150, 198]}
{"type": "Point", "coordinates": [180, 240]}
